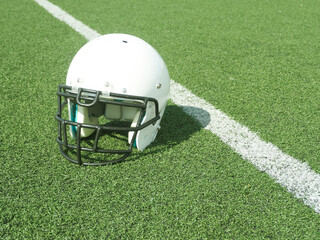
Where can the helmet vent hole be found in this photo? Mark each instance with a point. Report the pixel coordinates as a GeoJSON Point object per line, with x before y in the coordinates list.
{"type": "Point", "coordinates": [124, 41]}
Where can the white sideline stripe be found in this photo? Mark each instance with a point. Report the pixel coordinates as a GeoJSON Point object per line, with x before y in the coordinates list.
{"type": "Point", "coordinates": [63, 16]}
{"type": "Point", "coordinates": [291, 173]}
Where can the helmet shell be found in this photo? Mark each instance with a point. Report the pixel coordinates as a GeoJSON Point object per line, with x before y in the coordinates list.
{"type": "Point", "coordinates": [120, 63]}
{"type": "Point", "coordinates": [123, 64]}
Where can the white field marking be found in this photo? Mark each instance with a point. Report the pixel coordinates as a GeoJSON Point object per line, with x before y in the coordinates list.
{"type": "Point", "coordinates": [58, 13]}
{"type": "Point", "coordinates": [289, 172]}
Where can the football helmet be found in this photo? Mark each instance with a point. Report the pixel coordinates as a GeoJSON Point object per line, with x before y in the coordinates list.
{"type": "Point", "coordinates": [112, 80]}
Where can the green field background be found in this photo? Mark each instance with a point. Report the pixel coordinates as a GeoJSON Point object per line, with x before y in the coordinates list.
{"type": "Point", "coordinates": [257, 61]}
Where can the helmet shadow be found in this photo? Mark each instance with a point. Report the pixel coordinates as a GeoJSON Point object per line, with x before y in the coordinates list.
{"type": "Point", "coordinates": [178, 126]}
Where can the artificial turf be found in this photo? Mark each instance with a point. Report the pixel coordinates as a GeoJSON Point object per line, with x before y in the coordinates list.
{"type": "Point", "coordinates": [255, 60]}
{"type": "Point", "coordinates": [187, 184]}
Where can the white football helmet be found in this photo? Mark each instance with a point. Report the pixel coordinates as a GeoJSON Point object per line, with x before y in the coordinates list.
{"type": "Point", "coordinates": [122, 78]}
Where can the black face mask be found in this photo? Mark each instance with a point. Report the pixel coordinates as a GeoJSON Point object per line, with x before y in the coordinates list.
{"type": "Point", "coordinates": [81, 150]}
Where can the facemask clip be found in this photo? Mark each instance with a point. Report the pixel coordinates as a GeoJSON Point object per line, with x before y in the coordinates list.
{"type": "Point", "coordinates": [91, 97]}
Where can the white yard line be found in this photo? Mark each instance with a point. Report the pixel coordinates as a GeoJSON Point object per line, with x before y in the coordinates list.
{"type": "Point", "coordinates": [291, 173]}
{"type": "Point", "coordinates": [63, 16]}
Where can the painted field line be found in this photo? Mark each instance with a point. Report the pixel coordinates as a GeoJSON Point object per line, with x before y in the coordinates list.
{"type": "Point", "coordinates": [289, 172]}
{"type": "Point", "coordinates": [58, 13]}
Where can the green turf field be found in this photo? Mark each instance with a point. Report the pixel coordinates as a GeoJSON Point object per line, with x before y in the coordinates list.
{"type": "Point", "coordinates": [257, 61]}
